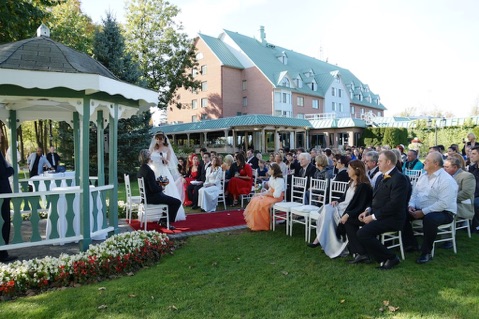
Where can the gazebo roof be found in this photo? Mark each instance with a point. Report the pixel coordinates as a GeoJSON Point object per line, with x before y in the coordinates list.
{"type": "Point", "coordinates": [44, 54]}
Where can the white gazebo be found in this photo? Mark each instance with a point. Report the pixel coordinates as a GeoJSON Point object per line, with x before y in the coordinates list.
{"type": "Point", "coordinates": [43, 79]}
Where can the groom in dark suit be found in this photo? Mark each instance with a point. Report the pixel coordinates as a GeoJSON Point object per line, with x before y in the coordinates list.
{"type": "Point", "coordinates": [387, 213]}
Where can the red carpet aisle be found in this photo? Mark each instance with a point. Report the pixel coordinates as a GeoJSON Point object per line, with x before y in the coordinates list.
{"type": "Point", "coordinates": [197, 222]}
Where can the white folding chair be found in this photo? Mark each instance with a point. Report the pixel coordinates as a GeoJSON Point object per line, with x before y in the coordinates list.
{"type": "Point", "coordinates": [413, 175]}
{"type": "Point", "coordinates": [247, 197]}
{"type": "Point", "coordinates": [336, 190]}
{"type": "Point", "coordinates": [149, 212]}
{"type": "Point", "coordinates": [394, 238]}
{"type": "Point", "coordinates": [131, 201]}
{"type": "Point", "coordinates": [445, 233]}
{"type": "Point", "coordinates": [221, 196]}
{"type": "Point", "coordinates": [300, 214]}
{"type": "Point", "coordinates": [281, 210]}
{"type": "Point", "coordinates": [463, 223]}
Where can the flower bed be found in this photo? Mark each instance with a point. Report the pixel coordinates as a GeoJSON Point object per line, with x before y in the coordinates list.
{"type": "Point", "coordinates": [119, 254]}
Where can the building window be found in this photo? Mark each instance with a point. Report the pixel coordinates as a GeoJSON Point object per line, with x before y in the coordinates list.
{"type": "Point", "coordinates": [340, 107]}
{"type": "Point", "coordinates": [285, 82]}
{"type": "Point", "coordinates": [362, 111]}
{"type": "Point", "coordinates": [245, 101]}
{"type": "Point", "coordinates": [286, 98]}
{"type": "Point", "coordinates": [239, 113]}
{"type": "Point", "coordinates": [339, 92]}
{"type": "Point", "coordinates": [199, 56]}
{"type": "Point", "coordinates": [194, 118]}
{"type": "Point", "coordinates": [244, 85]}
{"type": "Point", "coordinates": [204, 117]}
{"type": "Point", "coordinates": [204, 69]}
{"type": "Point", "coordinates": [300, 116]}
{"type": "Point", "coordinates": [315, 104]}
{"type": "Point", "coordinates": [300, 101]}
{"type": "Point", "coordinates": [194, 73]}
{"type": "Point", "coordinates": [204, 102]}
{"type": "Point", "coordinates": [313, 86]}
{"type": "Point", "coordinates": [204, 86]}
{"type": "Point", "coordinates": [194, 104]}
{"type": "Point", "coordinates": [333, 106]}
{"type": "Point", "coordinates": [277, 113]}
{"type": "Point", "coordinates": [333, 91]}
{"type": "Point", "coordinates": [379, 113]}
{"type": "Point", "coordinates": [352, 109]}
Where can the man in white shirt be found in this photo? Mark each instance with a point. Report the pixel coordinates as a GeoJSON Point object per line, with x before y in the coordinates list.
{"type": "Point", "coordinates": [36, 162]}
{"type": "Point", "coordinates": [433, 200]}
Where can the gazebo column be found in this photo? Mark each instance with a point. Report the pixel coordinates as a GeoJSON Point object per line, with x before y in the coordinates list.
{"type": "Point", "coordinates": [85, 176]}
{"type": "Point", "coordinates": [205, 139]}
{"type": "Point", "coordinates": [76, 146]}
{"type": "Point", "coordinates": [188, 139]}
{"type": "Point", "coordinates": [306, 138]}
{"type": "Point", "coordinates": [100, 141]}
{"type": "Point", "coordinates": [13, 147]}
{"type": "Point", "coordinates": [234, 140]}
{"type": "Point", "coordinates": [113, 170]}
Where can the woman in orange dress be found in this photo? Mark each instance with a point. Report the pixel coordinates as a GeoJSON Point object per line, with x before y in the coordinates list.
{"type": "Point", "coordinates": [193, 171]}
{"type": "Point", "coordinates": [242, 182]}
{"type": "Point", "coordinates": [257, 213]}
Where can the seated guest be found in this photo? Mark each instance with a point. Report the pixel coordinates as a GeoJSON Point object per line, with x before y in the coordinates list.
{"type": "Point", "coordinates": [182, 166]}
{"type": "Point", "coordinates": [412, 162]}
{"type": "Point", "coordinates": [251, 159]}
{"type": "Point", "coordinates": [342, 168]}
{"type": "Point", "coordinates": [208, 194]}
{"type": "Point", "coordinates": [193, 188]}
{"type": "Point", "coordinates": [466, 184]}
{"type": "Point", "coordinates": [262, 172]}
{"type": "Point", "coordinates": [153, 190]}
{"type": "Point", "coordinates": [37, 162]}
{"type": "Point", "coordinates": [257, 213]}
{"type": "Point", "coordinates": [278, 159]}
{"type": "Point", "coordinates": [387, 213]}
{"type": "Point", "coordinates": [323, 170]}
{"type": "Point", "coordinates": [370, 159]}
{"type": "Point", "coordinates": [193, 174]}
{"type": "Point", "coordinates": [306, 169]}
{"type": "Point", "coordinates": [353, 202]}
{"type": "Point", "coordinates": [291, 162]}
{"type": "Point", "coordinates": [474, 170]}
{"type": "Point", "coordinates": [433, 200]}
{"type": "Point", "coordinates": [53, 158]}
{"type": "Point", "coordinates": [227, 162]}
{"type": "Point", "coordinates": [242, 181]}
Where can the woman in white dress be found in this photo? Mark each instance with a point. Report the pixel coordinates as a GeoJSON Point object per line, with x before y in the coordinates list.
{"type": "Point", "coordinates": [354, 201]}
{"type": "Point", "coordinates": [208, 194]}
{"type": "Point", "coordinates": [164, 163]}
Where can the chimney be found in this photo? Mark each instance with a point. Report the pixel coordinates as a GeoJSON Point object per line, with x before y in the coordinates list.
{"type": "Point", "coordinates": [262, 35]}
{"type": "Point", "coordinates": [43, 31]}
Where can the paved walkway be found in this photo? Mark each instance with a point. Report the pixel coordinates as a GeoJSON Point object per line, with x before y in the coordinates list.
{"type": "Point", "coordinates": [73, 248]}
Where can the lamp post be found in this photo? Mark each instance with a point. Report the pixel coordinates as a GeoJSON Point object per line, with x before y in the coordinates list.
{"type": "Point", "coordinates": [436, 120]}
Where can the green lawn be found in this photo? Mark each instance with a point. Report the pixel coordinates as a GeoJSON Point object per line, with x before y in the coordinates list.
{"type": "Point", "coordinates": [269, 275]}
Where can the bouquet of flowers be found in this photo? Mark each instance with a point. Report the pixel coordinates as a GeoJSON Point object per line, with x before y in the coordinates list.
{"type": "Point", "coordinates": [163, 180]}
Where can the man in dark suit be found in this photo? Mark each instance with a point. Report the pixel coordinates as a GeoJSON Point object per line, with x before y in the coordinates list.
{"type": "Point", "coordinates": [387, 213]}
{"type": "Point", "coordinates": [193, 188]}
{"type": "Point", "coordinates": [154, 191]}
{"type": "Point", "coordinates": [53, 158]}
{"type": "Point", "coordinates": [251, 159]}
{"type": "Point", "coordinates": [5, 172]}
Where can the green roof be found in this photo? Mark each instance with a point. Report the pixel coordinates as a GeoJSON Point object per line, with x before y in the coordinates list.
{"type": "Point", "coordinates": [221, 51]}
{"type": "Point", "coordinates": [265, 57]}
{"type": "Point", "coordinates": [232, 122]}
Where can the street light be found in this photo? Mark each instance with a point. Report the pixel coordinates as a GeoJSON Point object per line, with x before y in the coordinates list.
{"type": "Point", "coordinates": [436, 120]}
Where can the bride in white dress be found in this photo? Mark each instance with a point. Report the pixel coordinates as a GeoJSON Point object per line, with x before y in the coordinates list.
{"type": "Point", "coordinates": [164, 163]}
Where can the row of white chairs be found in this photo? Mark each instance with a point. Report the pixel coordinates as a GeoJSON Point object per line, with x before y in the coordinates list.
{"type": "Point", "coordinates": [296, 212]}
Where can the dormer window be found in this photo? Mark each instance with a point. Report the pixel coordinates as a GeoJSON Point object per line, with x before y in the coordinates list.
{"type": "Point", "coordinates": [283, 58]}
{"type": "Point", "coordinates": [314, 86]}
{"type": "Point", "coordinates": [285, 82]}
{"type": "Point", "coordinates": [299, 82]}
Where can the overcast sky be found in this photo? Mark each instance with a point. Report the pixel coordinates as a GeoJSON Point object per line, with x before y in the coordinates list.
{"type": "Point", "coordinates": [421, 54]}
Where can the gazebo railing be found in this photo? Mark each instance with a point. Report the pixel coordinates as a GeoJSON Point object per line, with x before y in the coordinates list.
{"type": "Point", "coordinates": [62, 207]}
